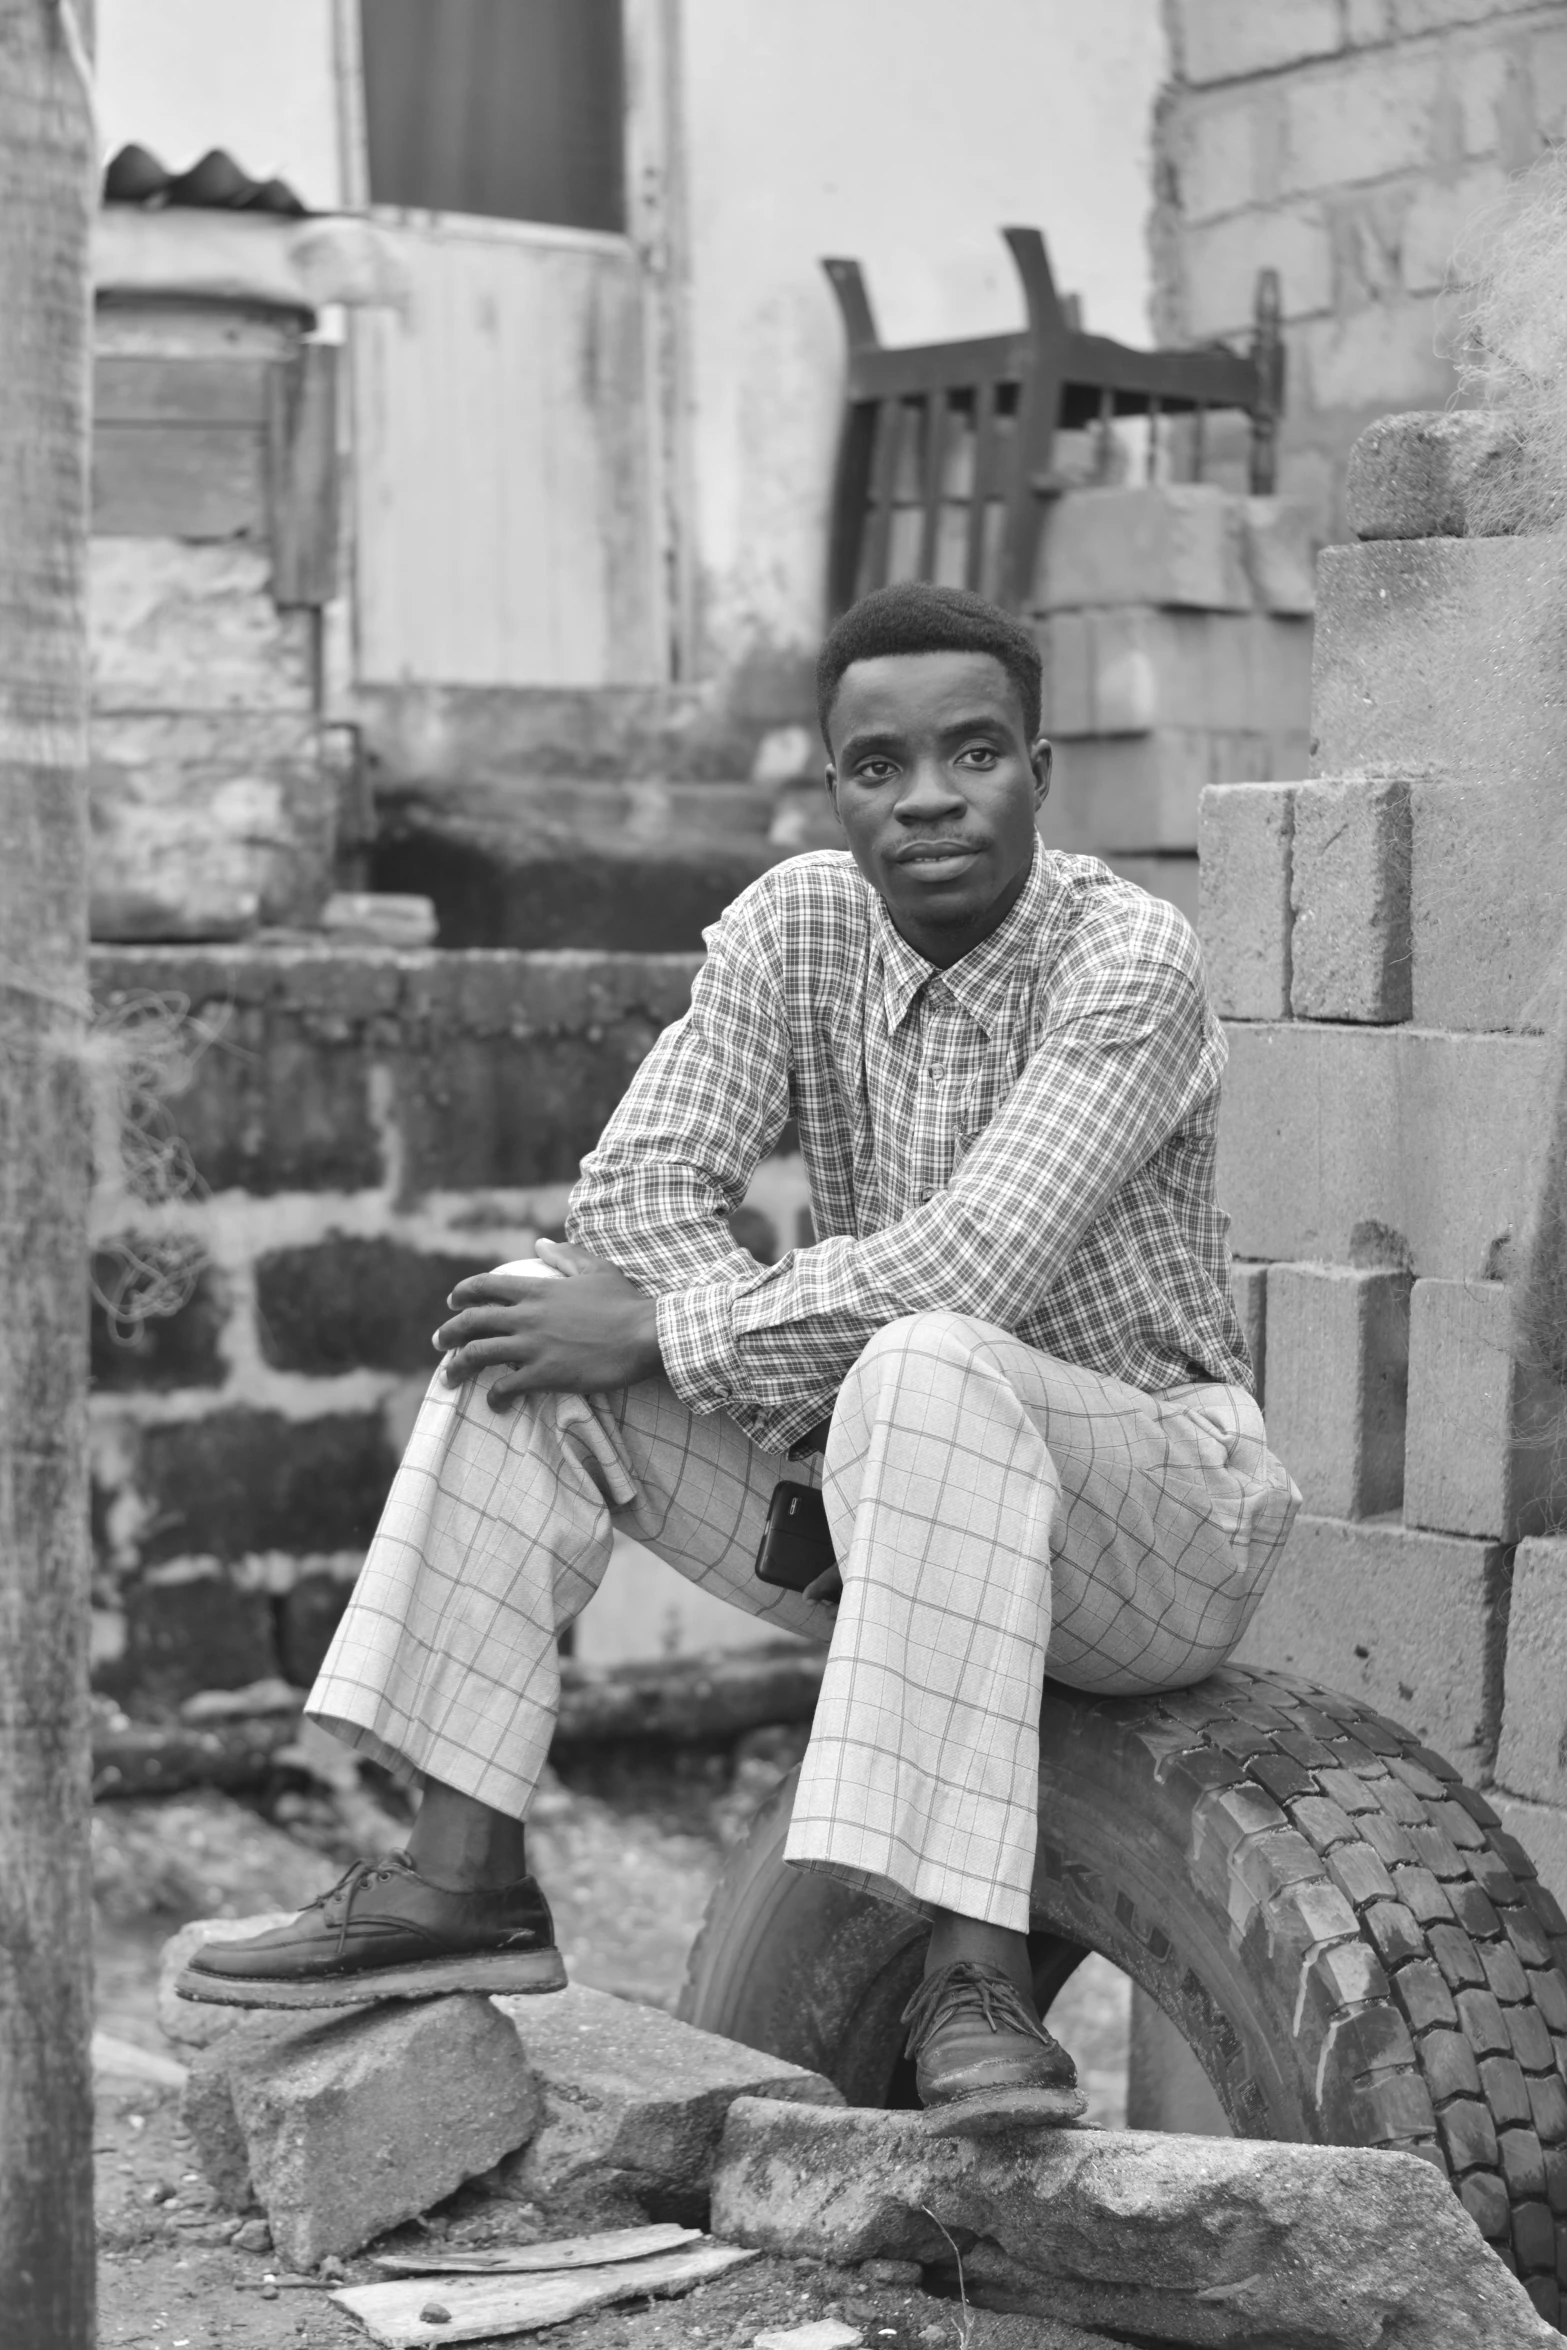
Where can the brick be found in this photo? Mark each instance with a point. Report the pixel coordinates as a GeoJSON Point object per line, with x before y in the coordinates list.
{"type": "Point", "coordinates": [199, 1631]}
{"type": "Point", "coordinates": [1441, 657]}
{"type": "Point", "coordinates": [1349, 902]}
{"type": "Point", "coordinates": [237, 1481]}
{"type": "Point", "coordinates": [1181, 545]}
{"type": "Point", "coordinates": [1418, 476]}
{"type": "Point", "coordinates": [1329, 1135]}
{"type": "Point", "coordinates": [1488, 880]}
{"type": "Point", "coordinates": [1338, 1340]}
{"type": "Point", "coordinates": [1220, 259]}
{"type": "Point", "coordinates": [353, 2125]}
{"type": "Point", "coordinates": [1222, 40]}
{"type": "Point", "coordinates": [1143, 792]}
{"type": "Point", "coordinates": [1245, 831]}
{"type": "Point", "coordinates": [182, 1349]}
{"type": "Point", "coordinates": [1410, 1623]}
{"type": "Point", "coordinates": [1249, 1290]}
{"type": "Point", "coordinates": [1366, 119]}
{"type": "Point", "coordinates": [1169, 874]}
{"type": "Point", "coordinates": [633, 2099]}
{"type": "Point", "coordinates": [1281, 555]}
{"type": "Point", "coordinates": [1464, 1473]}
{"type": "Point", "coordinates": [346, 1302]}
{"type": "Point", "coordinates": [1223, 147]}
{"type": "Point", "coordinates": [1532, 1758]}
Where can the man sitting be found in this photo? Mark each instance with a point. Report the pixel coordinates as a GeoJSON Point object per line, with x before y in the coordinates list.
{"type": "Point", "coordinates": [1043, 1454]}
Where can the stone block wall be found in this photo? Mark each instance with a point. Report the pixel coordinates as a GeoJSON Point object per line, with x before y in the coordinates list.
{"type": "Point", "coordinates": [1380, 938]}
{"type": "Point", "coordinates": [1174, 622]}
{"type": "Point", "coordinates": [1348, 144]}
{"type": "Point", "coordinates": [367, 1127]}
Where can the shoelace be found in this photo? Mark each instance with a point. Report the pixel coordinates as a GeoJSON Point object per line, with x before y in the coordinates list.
{"type": "Point", "coordinates": [968, 1988]}
{"type": "Point", "coordinates": [352, 1883]}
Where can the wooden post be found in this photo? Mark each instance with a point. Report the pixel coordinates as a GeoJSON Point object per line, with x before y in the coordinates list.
{"type": "Point", "coordinates": [47, 194]}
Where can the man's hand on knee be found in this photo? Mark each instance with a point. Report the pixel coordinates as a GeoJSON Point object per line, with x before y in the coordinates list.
{"type": "Point", "coordinates": [587, 1333]}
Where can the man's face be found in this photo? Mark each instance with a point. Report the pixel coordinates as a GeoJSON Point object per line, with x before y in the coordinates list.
{"type": "Point", "coordinates": [936, 787]}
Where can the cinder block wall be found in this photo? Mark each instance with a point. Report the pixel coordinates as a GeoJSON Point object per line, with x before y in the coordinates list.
{"type": "Point", "coordinates": [367, 1128]}
{"type": "Point", "coordinates": [1380, 941]}
{"type": "Point", "coordinates": [1347, 143]}
{"type": "Point", "coordinates": [1174, 621]}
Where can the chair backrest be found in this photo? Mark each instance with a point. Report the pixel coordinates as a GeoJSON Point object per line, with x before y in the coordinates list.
{"type": "Point", "coordinates": [944, 459]}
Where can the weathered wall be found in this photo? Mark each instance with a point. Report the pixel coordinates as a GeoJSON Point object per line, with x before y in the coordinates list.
{"type": "Point", "coordinates": [368, 1128]}
{"type": "Point", "coordinates": [1348, 143]}
{"type": "Point", "coordinates": [1380, 939]}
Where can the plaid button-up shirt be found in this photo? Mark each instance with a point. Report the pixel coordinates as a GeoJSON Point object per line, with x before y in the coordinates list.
{"type": "Point", "coordinates": [1027, 1137]}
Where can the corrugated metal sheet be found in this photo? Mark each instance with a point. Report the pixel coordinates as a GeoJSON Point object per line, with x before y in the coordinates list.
{"type": "Point", "coordinates": [503, 461]}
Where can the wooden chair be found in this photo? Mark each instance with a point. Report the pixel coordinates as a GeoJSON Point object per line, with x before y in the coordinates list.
{"type": "Point", "coordinates": [950, 443]}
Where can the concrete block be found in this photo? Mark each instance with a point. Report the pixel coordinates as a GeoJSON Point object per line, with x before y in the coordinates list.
{"type": "Point", "coordinates": [1421, 476]}
{"type": "Point", "coordinates": [1332, 1137]}
{"type": "Point", "coordinates": [1442, 657]}
{"type": "Point", "coordinates": [1281, 555]}
{"type": "Point", "coordinates": [1223, 146]}
{"type": "Point", "coordinates": [197, 1630]}
{"type": "Point", "coordinates": [1225, 40]}
{"type": "Point", "coordinates": [1349, 898]}
{"type": "Point", "coordinates": [1465, 1469]}
{"type": "Point", "coordinates": [348, 2127]}
{"type": "Point", "coordinates": [1249, 1290]}
{"type": "Point", "coordinates": [1363, 361]}
{"type": "Point", "coordinates": [1133, 2231]}
{"type": "Point", "coordinates": [1488, 893]}
{"type": "Point", "coordinates": [1243, 848]}
{"type": "Point", "coordinates": [1338, 1384]}
{"type": "Point", "coordinates": [181, 1349]}
{"type": "Point", "coordinates": [1369, 116]}
{"type": "Point", "coordinates": [1142, 792]}
{"type": "Point", "coordinates": [1532, 1758]}
{"type": "Point", "coordinates": [1171, 876]}
{"type": "Point", "coordinates": [1132, 668]}
{"type": "Point", "coordinates": [635, 2101]}
{"type": "Point", "coordinates": [1219, 267]}
{"type": "Point", "coordinates": [1413, 1623]}
{"type": "Point", "coordinates": [1181, 545]}
{"type": "Point", "coordinates": [236, 1481]}
{"type": "Point", "coordinates": [344, 1301]}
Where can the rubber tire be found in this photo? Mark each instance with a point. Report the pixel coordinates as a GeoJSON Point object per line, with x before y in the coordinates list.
{"type": "Point", "coordinates": [1355, 1951]}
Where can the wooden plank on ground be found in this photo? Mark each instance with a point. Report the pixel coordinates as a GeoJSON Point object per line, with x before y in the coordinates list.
{"type": "Point", "coordinates": [180, 481]}
{"type": "Point", "coordinates": [477, 2307]}
{"type": "Point", "coordinates": [569, 2252]}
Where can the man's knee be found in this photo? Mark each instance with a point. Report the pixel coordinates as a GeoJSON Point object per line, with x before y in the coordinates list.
{"type": "Point", "coordinates": [912, 1346]}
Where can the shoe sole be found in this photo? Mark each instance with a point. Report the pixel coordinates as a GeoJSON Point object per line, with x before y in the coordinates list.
{"type": "Point", "coordinates": [988, 2112]}
{"type": "Point", "coordinates": [492, 1972]}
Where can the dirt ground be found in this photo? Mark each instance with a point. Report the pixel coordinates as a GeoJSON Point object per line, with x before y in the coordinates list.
{"type": "Point", "coordinates": [628, 1863]}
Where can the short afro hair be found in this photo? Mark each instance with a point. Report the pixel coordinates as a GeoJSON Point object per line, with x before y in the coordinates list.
{"type": "Point", "coordinates": [915, 617]}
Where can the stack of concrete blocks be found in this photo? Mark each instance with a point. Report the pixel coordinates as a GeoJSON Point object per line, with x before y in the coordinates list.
{"type": "Point", "coordinates": [1381, 942]}
{"type": "Point", "coordinates": [1175, 626]}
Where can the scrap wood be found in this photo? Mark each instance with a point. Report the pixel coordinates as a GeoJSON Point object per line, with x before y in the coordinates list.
{"type": "Point", "coordinates": [596, 2251]}
{"type": "Point", "coordinates": [482, 2306]}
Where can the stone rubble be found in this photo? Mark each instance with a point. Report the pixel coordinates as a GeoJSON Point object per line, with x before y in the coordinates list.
{"type": "Point", "coordinates": [1200, 2241]}
{"type": "Point", "coordinates": [634, 2101]}
{"type": "Point", "coordinates": [344, 2126]}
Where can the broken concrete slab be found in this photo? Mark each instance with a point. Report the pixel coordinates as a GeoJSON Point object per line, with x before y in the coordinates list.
{"type": "Point", "coordinates": [343, 2128]}
{"type": "Point", "coordinates": [1201, 2241]}
{"type": "Point", "coordinates": [634, 2101]}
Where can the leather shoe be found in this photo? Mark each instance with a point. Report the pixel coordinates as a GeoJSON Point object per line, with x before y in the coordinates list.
{"type": "Point", "coordinates": [384, 1932]}
{"type": "Point", "coordinates": [983, 2061]}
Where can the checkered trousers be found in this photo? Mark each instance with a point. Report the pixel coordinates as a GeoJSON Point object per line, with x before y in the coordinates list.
{"type": "Point", "coordinates": [993, 1509]}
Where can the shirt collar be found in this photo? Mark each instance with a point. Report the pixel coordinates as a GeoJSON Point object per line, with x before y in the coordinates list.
{"type": "Point", "coordinates": [979, 981]}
